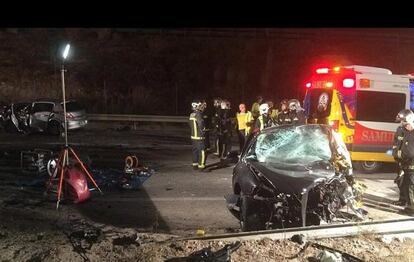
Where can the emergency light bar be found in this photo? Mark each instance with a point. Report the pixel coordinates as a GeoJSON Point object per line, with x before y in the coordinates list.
{"type": "Point", "coordinates": [322, 70]}
{"type": "Point", "coordinates": [326, 70]}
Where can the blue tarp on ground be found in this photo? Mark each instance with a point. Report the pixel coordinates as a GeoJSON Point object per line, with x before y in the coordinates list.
{"type": "Point", "coordinates": [113, 178]}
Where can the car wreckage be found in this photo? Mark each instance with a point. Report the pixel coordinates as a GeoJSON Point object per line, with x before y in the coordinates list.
{"type": "Point", "coordinates": [292, 176]}
{"type": "Point", "coordinates": [44, 115]}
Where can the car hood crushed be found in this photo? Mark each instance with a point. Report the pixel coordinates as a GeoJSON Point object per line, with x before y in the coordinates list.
{"type": "Point", "coordinates": [293, 176]}
{"type": "Point", "coordinates": [294, 179]}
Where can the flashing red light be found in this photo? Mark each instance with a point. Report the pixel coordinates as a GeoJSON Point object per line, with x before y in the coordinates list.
{"type": "Point", "coordinates": [322, 70]}
{"type": "Point", "coordinates": [348, 82]}
{"type": "Point", "coordinates": [308, 85]}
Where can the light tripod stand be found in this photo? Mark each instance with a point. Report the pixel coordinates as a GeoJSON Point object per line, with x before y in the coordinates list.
{"type": "Point", "coordinates": [62, 164]}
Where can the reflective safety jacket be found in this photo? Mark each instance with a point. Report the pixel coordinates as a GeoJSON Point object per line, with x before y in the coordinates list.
{"type": "Point", "coordinates": [273, 115]}
{"type": "Point", "coordinates": [262, 122]}
{"type": "Point", "coordinates": [244, 122]}
{"type": "Point", "coordinates": [197, 125]}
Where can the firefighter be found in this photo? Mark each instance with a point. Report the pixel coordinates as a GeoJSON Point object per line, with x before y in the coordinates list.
{"type": "Point", "coordinates": [396, 152]}
{"type": "Point", "coordinates": [225, 128]}
{"type": "Point", "coordinates": [197, 135]}
{"type": "Point", "coordinates": [243, 126]}
{"type": "Point", "coordinates": [207, 122]}
{"type": "Point", "coordinates": [283, 116]}
{"type": "Point", "coordinates": [407, 163]}
{"type": "Point", "coordinates": [296, 112]}
{"type": "Point", "coordinates": [263, 121]}
{"type": "Point", "coordinates": [255, 107]}
{"type": "Point", "coordinates": [215, 120]}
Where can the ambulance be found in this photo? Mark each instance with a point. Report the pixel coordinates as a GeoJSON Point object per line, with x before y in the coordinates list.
{"type": "Point", "coordinates": [361, 103]}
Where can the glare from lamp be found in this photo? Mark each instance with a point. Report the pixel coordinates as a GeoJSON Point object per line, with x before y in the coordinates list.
{"type": "Point", "coordinates": [66, 51]}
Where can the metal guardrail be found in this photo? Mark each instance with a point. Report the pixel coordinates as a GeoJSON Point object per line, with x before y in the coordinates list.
{"type": "Point", "coordinates": [137, 118]}
{"type": "Point", "coordinates": [393, 226]}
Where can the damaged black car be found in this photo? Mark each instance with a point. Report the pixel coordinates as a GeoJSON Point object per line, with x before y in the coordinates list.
{"type": "Point", "coordinates": [293, 176]}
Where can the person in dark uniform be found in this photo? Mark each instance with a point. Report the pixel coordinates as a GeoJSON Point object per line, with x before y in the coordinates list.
{"type": "Point", "coordinates": [396, 153]}
{"type": "Point", "coordinates": [296, 113]}
{"type": "Point", "coordinates": [215, 120]}
{"type": "Point", "coordinates": [283, 116]}
{"type": "Point", "coordinates": [207, 115]}
{"type": "Point", "coordinates": [225, 129]}
{"type": "Point", "coordinates": [407, 163]}
{"type": "Point", "coordinates": [197, 135]}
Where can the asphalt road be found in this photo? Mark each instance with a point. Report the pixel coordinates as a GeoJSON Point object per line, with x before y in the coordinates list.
{"type": "Point", "coordinates": [175, 199]}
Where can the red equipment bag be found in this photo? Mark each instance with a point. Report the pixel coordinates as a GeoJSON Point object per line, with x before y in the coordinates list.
{"type": "Point", "coordinates": [76, 185]}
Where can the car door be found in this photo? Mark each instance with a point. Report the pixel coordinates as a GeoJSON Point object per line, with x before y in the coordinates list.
{"type": "Point", "coordinates": [40, 114]}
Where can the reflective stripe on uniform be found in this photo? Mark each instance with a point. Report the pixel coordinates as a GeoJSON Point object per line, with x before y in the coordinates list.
{"type": "Point", "coordinates": [194, 126]}
{"type": "Point", "coordinates": [400, 138]}
{"type": "Point", "coordinates": [203, 159]}
{"type": "Point", "coordinates": [197, 138]}
{"type": "Point", "coordinates": [261, 122]}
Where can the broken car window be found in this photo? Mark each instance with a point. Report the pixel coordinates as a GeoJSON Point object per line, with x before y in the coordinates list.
{"type": "Point", "coordinates": [294, 145]}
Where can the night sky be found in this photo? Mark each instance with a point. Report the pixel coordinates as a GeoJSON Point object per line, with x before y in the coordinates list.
{"type": "Point", "coordinates": [159, 71]}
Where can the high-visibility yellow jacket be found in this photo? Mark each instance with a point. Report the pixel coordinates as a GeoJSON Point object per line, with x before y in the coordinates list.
{"type": "Point", "coordinates": [243, 121]}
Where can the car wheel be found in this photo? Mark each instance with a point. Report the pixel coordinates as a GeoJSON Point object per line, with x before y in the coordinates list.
{"type": "Point", "coordinates": [368, 166]}
{"type": "Point", "coordinates": [250, 219]}
{"type": "Point", "coordinates": [54, 128]}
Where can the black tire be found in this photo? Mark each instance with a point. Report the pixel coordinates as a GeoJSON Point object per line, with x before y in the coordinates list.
{"type": "Point", "coordinates": [368, 167]}
{"type": "Point", "coordinates": [251, 219]}
{"type": "Point", "coordinates": [54, 128]}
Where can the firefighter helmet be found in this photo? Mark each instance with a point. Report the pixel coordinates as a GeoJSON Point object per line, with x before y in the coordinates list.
{"type": "Point", "coordinates": [264, 109]}
{"type": "Point", "coordinates": [402, 115]}
{"type": "Point", "coordinates": [217, 102]}
{"type": "Point", "coordinates": [294, 104]}
{"type": "Point", "coordinates": [409, 120]}
{"type": "Point", "coordinates": [196, 105]}
{"type": "Point", "coordinates": [225, 104]}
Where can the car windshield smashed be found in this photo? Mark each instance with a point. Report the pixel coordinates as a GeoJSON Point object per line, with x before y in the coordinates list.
{"type": "Point", "coordinates": [295, 145]}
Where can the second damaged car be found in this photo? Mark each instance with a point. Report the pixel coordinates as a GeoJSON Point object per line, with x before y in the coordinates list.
{"type": "Point", "coordinates": [293, 176]}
